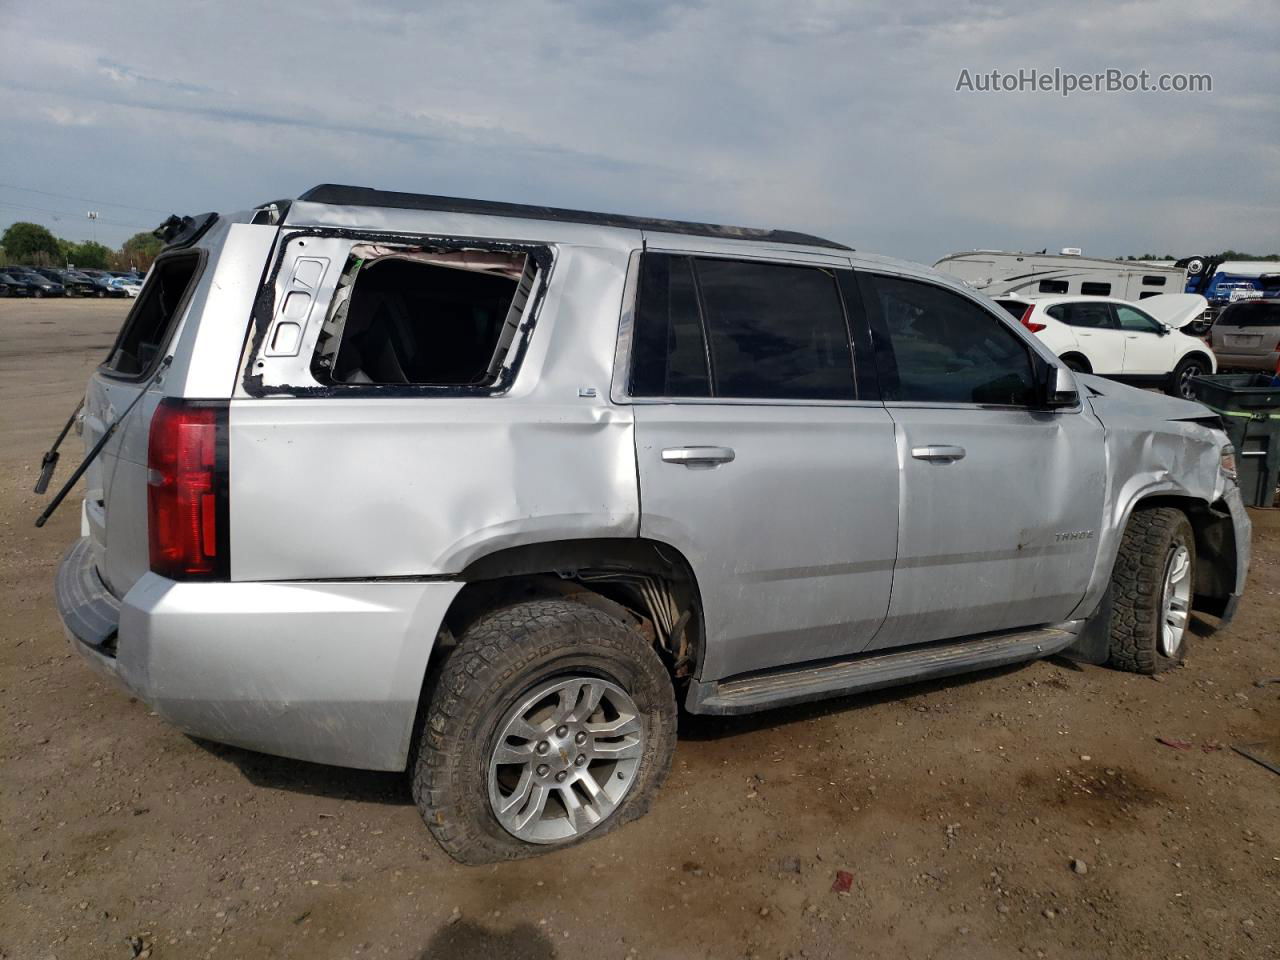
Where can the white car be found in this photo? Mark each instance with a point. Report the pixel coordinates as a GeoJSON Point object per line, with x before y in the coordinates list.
{"type": "Point", "coordinates": [1138, 344]}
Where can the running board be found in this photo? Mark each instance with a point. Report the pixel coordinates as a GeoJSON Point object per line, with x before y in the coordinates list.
{"type": "Point", "coordinates": [837, 678]}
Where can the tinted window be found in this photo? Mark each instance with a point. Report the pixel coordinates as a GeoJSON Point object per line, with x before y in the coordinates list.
{"type": "Point", "coordinates": [1134, 320]}
{"type": "Point", "coordinates": [668, 352]}
{"type": "Point", "coordinates": [776, 332]}
{"type": "Point", "coordinates": [1093, 288]}
{"type": "Point", "coordinates": [1096, 316]}
{"type": "Point", "coordinates": [1053, 286]}
{"type": "Point", "coordinates": [1251, 315]}
{"type": "Point", "coordinates": [147, 329]}
{"type": "Point", "coordinates": [947, 349]}
{"type": "Point", "coordinates": [1015, 308]}
{"type": "Point", "coordinates": [1153, 281]}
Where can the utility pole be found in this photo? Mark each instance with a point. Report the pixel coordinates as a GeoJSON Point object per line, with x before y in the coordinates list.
{"type": "Point", "coordinates": [93, 225]}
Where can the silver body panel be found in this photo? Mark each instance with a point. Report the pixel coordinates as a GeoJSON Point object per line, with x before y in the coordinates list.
{"type": "Point", "coordinates": [351, 516]}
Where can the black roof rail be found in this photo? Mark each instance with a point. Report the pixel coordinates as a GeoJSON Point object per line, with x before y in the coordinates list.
{"type": "Point", "coordinates": [340, 195]}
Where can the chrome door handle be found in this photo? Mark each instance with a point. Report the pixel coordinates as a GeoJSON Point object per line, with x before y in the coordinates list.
{"type": "Point", "coordinates": [938, 451]}
{"type": "Point", "coordinates": [698, 456]}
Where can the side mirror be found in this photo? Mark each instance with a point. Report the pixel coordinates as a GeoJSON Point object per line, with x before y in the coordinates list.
{"type": "Point", "coordinates": [1163, 331]}
{"type": "Point", "coordinates": [1060, 388]}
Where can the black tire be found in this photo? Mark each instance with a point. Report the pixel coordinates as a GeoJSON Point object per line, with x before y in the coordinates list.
{"type": "Point", "coordinates": [1192, 365]}
{"type": "Point", "coordinates": [497, 662]}
{"type": "Point", "coordinates": [38, 293]}
{"type": "Point", "coordinates": [100, 294]}
{"type": "Point", "coordinates": [1077, 364]}
{"type": "Point", "coordinates": [1150, 539]}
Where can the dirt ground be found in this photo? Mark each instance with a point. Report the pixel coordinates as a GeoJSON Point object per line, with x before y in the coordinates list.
{"type": "Point", "coordinates": [957, 807]}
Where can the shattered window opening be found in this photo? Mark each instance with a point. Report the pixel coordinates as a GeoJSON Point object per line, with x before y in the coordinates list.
{"type": "Point", "coordinates": [423, 316]}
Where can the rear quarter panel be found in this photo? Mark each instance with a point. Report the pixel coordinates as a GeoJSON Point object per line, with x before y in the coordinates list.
{"type": "Point", "coordinates": [326, 487]}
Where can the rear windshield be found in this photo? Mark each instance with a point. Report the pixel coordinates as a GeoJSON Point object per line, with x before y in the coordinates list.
{"type": "Point", "coordinates": [150, 323]}
{"type": "Point", "coordinates": [1251, 315]}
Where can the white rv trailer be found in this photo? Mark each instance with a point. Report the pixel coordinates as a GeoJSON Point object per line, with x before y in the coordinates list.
{"type": "Point", "coordinates": [1033, 275]}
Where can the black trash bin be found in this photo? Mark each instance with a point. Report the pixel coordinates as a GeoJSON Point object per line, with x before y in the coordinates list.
{"type": "Point", "coordinates": [1249, 404]}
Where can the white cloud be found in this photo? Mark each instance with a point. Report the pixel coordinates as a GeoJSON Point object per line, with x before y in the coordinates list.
{"type": "Point", "coordinates": [814, 115]}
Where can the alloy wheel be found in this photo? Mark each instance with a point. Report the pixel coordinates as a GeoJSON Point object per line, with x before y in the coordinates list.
{"type": "Point", "coordinates": [565, 757]}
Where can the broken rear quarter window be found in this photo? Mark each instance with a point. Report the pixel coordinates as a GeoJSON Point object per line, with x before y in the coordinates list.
{"type": "Point", "coordinates": [413, 315]}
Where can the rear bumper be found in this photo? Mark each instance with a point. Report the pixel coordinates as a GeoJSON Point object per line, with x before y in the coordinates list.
{"type": "Point", "coordinates": [326, 672]}
{"type": "Point", "coordinates": [1265, 362]}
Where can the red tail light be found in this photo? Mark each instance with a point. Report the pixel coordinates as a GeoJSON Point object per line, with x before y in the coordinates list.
{"type": "Point", "coordinates": [187, 512]}
{"type": "Point", "coordinates": [1026, 319]}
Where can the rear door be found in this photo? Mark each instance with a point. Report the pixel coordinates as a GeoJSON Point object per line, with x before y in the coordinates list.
{"type": "Point", "coordinates": [1000, 503]}
{"type": "Point", "coordinates": [1148, 347]}
{"type": "Point", "coordinates": [1094, 327]}
{"type": "Point", "coordinates": [759, 458]}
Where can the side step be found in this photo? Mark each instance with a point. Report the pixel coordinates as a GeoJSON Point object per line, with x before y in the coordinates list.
{"type": "Point", "coordinates": [836, 678]}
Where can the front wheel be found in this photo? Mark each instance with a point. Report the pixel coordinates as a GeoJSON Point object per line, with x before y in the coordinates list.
{"type": "Point", "coordinates": [1152, 589]}
{"type": "Point", "coordinates": [549, 722]}
{"type": "Point", "coordinates": [1180, 384]}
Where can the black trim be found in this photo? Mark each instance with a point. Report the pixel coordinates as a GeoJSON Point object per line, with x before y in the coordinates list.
{"type": "Point", "coordinates": [349, 196]}
{"type": "Point", "coordinates": [178, 232]}
{"type": "Point", "coordinates": [202, 257]}
{"type": "Point", "coordinates": [866, 377]}
{"type": "Point", "coordinates": [264, 311]}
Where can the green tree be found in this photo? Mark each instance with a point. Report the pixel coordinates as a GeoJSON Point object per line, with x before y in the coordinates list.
{"type": "Point", "coordinates": [30, 243]}
{"type": "Point", "coordinates": [140, 250]}
{"type": "Point", "coordinates": [90, 254]}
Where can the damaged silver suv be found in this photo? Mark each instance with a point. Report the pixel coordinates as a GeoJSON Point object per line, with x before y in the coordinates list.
{"type": "Point", "coordinates": [482, 491]}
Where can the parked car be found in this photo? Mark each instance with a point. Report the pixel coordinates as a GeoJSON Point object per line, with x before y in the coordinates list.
{"type": "Point", "coordinates": [1140, 345]}
{"type": "Point", "coordinates": [1247, 335]}
{"type": "Point", "coordinates": [128, 285]}
{"type": "Point", "coordinates": [103, 283]}
{"type": "Point", "coordinates": [36, 284]}
{"type": "Point", "coordinates": [72, 283]}
{"type": "Point", "coordinates": [4, 285]}
{"type": "Point", "coordinates": [480, 490]}
{"type": "Point", "coordinates": [15, 284]}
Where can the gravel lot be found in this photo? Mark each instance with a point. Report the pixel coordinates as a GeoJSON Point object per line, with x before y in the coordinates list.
{"type": "Point", "coordinates": [958, 807]}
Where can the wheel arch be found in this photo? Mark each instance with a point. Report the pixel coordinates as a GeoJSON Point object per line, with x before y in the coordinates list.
{"type": "Point", "coordinates": [648, 583]}
{"type": "Point", "coordinates": [1216, 554]}
{"type": "Point", "coordinates": [1075, 355]}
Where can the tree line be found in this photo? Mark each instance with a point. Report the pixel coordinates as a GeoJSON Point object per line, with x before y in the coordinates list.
{"type": "Point", "coordinates": [33, 245]}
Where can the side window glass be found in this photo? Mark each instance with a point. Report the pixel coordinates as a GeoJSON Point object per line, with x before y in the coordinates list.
{"type": "Point", "coordinates": [1095, 316]}
{"type": "Point", "coordinates": [1135, 321]}
{"type": "Point", "coordinates": [775, 331]}
{"type": "Point", "coordinates": [668, 352]}
{"type": "Point", "coordinates": [947, 349]}
{"type": "Point", "coordinates": [1053, 286]}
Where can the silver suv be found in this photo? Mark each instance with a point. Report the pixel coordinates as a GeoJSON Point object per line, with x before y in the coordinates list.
{"type": "Point", "coordinates": [483, 491]}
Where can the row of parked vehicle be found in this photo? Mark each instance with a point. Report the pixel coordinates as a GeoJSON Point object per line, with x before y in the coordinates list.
{"type": "Point", "coordinates": [17, 281]}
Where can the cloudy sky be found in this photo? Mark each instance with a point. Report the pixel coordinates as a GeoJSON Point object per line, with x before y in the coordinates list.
{"type": "Point", "coordinates": [837, 118]}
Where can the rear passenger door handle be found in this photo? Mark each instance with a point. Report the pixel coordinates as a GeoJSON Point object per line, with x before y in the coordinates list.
{"type": "Point", "coordinates": [698, 456]}
{"type": "Point", "coordinates": [938, 451]}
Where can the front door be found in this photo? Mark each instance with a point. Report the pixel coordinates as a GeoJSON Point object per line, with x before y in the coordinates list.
{"type": "Point", "coordinates": [758, 461]}
{"type": "Point", "coordinates": [1148, 347]}
{"type": "Point", "coordinates": [999, 503]}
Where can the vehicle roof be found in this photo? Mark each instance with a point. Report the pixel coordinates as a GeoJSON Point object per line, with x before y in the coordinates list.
{"type": "Point", "coordinates": [1076, 258]}
{"type": "Point", "coordinates": [340, 195]}
{"type": "Point", "coordinates": [1249, 268]}
{"type": "Point", "coordinates": [1077, 299]}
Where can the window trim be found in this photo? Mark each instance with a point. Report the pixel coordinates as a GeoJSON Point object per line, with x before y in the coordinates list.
{"type": "Point", "coordinates": [543, 255]}
{"type": "Point", "coordinates": [865, 385]}
{"type": "Point", "coordinates": [201, 256]}
{"type": "Point", "coordinates": [884, 344]}
{"type": "Point", "coordinates": [1115, 318]}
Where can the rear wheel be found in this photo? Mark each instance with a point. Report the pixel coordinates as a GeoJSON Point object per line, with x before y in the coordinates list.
{"type": "Point", "coordinates": [549, 722]}
{"type": "Point", "coordinates": [1180, 382]}
{"type": "Point", "coordinates": [1152, 588]}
